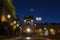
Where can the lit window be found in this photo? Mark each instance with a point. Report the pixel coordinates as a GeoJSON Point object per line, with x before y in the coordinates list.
{"type": "Point", "coordinates": [51, 30]}
{"type": "Point", "coordinates": [37, 18]}
{"type": "Point", "coordinates": [14, 27]}
{"type": "Point", "coordinates": [3, 18]}
{"type": "Point", "coordinates": [40, 30]}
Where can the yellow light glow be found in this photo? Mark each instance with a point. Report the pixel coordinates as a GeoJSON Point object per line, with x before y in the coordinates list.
{"type": "Point", "coordinates": [40, 30]}
{"type": "Point", "coordinates": [14, 27]}
{"type": "Point", "coordinates": [11, 24]}
{"type": "Point", "coordinates": [51, 30]}
{"type": "Point", "coordinates": [3, 18]}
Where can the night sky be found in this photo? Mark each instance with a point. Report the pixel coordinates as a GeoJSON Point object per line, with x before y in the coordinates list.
{"type": "Point", "coordinates": [49, 10]}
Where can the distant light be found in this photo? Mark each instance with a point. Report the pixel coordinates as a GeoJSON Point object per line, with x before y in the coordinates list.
{"type": "Point", "coordinates": [40, 30]}
{"type": "Point", "coordinates": [28, 38]}
{"type": "Point", "coordinates": [45, 28]}
{"type": "Point", "coordinates": [34, 24]}
{"type": "Point", "coordinates": [32, 21]}
{"type": "Point", "coordinates": [14, 22]}
{"type": "Point", "coordinates": [17, 25]}
{"type": "Point", "coordinates": [38, 18]}
{"type": "Point", "coordinates": [51, 30]}
{"type": "Point", "coordinates": [9, 16]}
{"type": "Point", "coordinates": [24, 20]}
{"type": "Point", "coordinates": [3, 18]}
{"type": "Point", "coordinates": [14, 27]}
{"type": "Point", "coordinates": [11, 24]}
{"type": "Point", "coordinates": [28, 30]}
{"type": "Point", "coordinates": [46, 33]}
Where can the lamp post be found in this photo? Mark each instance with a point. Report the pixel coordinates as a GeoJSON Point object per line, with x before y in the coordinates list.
{"type": "Point", "coordinates": [38, 19]}
{"type": "Point", "coordinates": [9, 16]}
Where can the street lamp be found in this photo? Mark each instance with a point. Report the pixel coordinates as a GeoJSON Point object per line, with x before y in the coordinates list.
{"type": "Point", "coordinates": [17, 25]}
{"type": "Point", "coordinates": [32, 21]}
{"type": "Point", "coordinates": [24, 20]}
{"type": "Point", "coordinates": [28, 30]}
{"type": "Point", "coordinates": [14, 22]}
{"type": "Point", "coordinates": [11, 24]}
{"type": "Point", "coordinates": [45, 28]}
{"type": "Point", "coordinates": [40, 30]}
{"type": "Point", "coordinates": [8, 16]}
{"type": "Point", "coordinates": [38, 18]}
{"type": "Point", "coordinates": [3, 18]}
{"type": "Point", "coordinates": [52, 31]}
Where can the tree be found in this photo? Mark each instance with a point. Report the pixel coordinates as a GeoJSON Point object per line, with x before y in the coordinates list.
{"type": "Point", "coordinates": [9, 5]}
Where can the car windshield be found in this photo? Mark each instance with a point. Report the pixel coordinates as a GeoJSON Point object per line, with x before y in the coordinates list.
{"type": "Point", "coordinates": [29, 20]}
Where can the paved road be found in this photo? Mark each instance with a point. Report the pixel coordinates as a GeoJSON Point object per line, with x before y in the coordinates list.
{"type": "Point", "coordinates": [30, 38]}
{"type": "Point", "coordinates": [34, 37]}
{"type": "Point", "coordinates": [26, 38]}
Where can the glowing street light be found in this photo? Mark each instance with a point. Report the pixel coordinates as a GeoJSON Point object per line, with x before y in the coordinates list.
{"type": "Point", "coordinates": [17, 25]}
{"type": "Point", "coordinates": [32, 21]}
{"type": "Point", "coordinates": [52, 31]}
{"type": "Point", "coordinates": [38, 18]}
{"type": "Point", "coordinates": [9, 16]}
{"type": "Point", "coordinates": [14, 22]}
{"type": "Point", "coordinates": [28, 30]}
{"type": "Point", "coordinates": [40, 30]}
{"type": "Point", "coordinates": [45, 28]}
{"type": "Point", "coordinates": [24, 20]}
